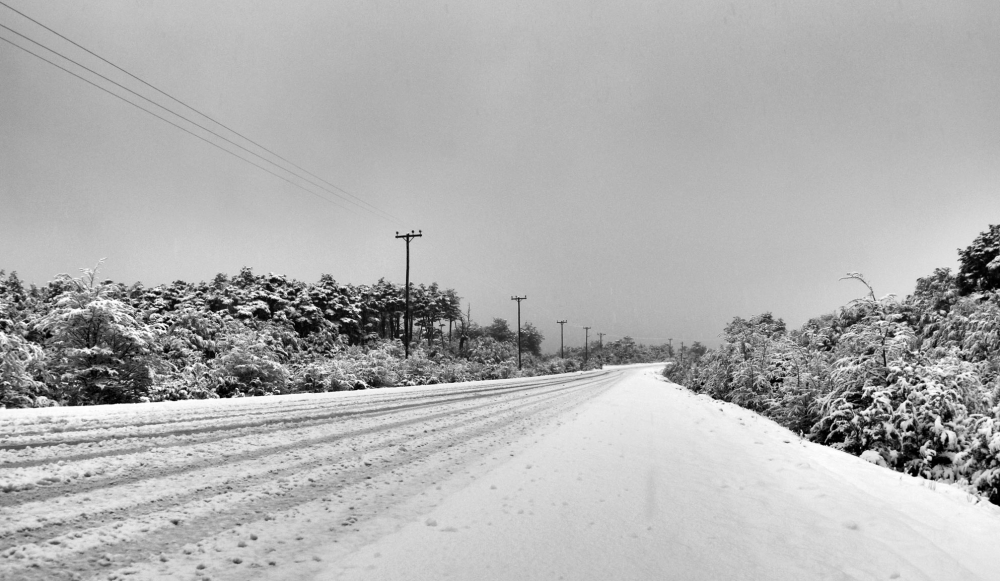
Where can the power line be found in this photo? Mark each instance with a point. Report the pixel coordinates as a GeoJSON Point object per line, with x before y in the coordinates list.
{"type": "Point", "coordinates": [661, 339]}
{"type": "Point", "coordinates": [373, 209]}
{"type": "Point", "coordinates": [206, 116]}
{"type": "Point", "coordinates": [161, 107]}
{"type": "Point", "coordinates": [164, 119]}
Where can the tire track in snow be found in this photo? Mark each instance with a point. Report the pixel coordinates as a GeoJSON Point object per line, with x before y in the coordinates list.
{"type": "Point", "coordinates": [132, 486]}
{"type": "Point", "coordinates": [224, 434]}
{"type": "Point", "coordinates": [366, 455]}
{"type": "Point", "coordinates": [268, 420]}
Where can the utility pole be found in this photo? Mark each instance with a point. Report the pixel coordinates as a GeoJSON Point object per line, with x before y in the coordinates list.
{"type": "Point", "coordinates": [562, 354]}
{"type": "Point", "coordinates": [586, 344]}
{"type": "Point", "coordinates": [441, 326]}
{"type": "Point", "coordinates": [600, 337]}
{"type": "Point", "coordinates": [518, 299]}
{"type": "Point", "coordinates": [406, 317]}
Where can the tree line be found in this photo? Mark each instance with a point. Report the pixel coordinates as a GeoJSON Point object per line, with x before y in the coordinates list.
{"type": "Point", "coordinates": [82, 340]}
{"type": "Point", "coordinates": [911, 384]}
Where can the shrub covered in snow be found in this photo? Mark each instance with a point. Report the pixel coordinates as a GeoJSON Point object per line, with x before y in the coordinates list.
{"type": "Point", "coordinates": [81, 340]}
{"type": "Point", "coordinates": [911, 384]}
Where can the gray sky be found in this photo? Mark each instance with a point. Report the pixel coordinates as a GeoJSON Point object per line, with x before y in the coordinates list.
{"type": "Point", "coordinates": [643, 168]}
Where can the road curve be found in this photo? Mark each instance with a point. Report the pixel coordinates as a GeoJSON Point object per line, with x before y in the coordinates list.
{"type": "Point", "coordinates": [172, 490]}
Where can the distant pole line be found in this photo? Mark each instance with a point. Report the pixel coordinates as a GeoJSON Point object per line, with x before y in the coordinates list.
{"type": "Point", "coordinates": [562, 353]}
{"type": "Point", "coordinates": [518, 299]}
{"type": "Point", "coordinates": [371, 208]}
{"type": "Point", "coordinates": [407, 320]}
{"type": "Point", "coordinates": [600, 336]}
{"type": "Point", "coordinates": [586, 344]}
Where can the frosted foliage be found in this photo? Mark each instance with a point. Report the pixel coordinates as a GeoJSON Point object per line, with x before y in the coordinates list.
{"type": "Point", "coordinates": [912, 385]}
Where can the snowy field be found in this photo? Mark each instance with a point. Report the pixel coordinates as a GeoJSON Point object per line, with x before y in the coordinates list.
{"type": "Point", "coordinates": [605, 475]}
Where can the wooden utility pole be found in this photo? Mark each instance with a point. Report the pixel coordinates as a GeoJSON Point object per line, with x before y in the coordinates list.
{"type": "Point", "coordinates": [407, 331]}
{"type": "Point", "coordinates": [600, 337]}
{"type": "Point", "coordinates": [466, 325]}
{"type": "Point", "coordinates": [586, 344]}
{"type": "Point", "coordinates": [519, 299]}
{"type": "Point", "coordinates": [441, 326]}
{"type": "Point", "coordinates": [562, 354]}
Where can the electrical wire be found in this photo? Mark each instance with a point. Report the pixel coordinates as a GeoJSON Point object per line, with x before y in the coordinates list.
{"type": "Point", "coordinates": [186, 130]}
{"type": "Point", "coordinates": [206, 116]}
{"type": "Point", "coordinates": [371, 209]}
{"type": "Point", "coordinates": [158, 105]}
{"type": "Point", "coordinates": [549, 314]}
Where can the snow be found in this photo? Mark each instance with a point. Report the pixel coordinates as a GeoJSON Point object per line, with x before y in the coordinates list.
{"type": "Point", "coordinates": [194, 500]}
{"type": "Point", "coordinates": [653, 482]}
{"type": "Point", "coordinates": [635, 479]}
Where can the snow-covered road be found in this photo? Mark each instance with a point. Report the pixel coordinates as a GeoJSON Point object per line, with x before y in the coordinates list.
{"type": "Point", "coordinates": [605, 475]}
{"type": "Point", "coordinates": [246, 488]}
{"type": "Point", "coordinates": [649, 481]}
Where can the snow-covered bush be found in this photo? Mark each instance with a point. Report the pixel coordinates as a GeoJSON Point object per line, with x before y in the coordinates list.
{"type": "Point", "coordinates": [83, 341]}
{"type": "Point", "coordinates": [193, 382]}
{"type": "Point", "coordinates": [247, 366]}
{"type": "Point", "coordinates": [912, 385]}
{"type": "Point", "coordinates": [102, 352]}
{"type": "Point", "coordinates": [20, 362]}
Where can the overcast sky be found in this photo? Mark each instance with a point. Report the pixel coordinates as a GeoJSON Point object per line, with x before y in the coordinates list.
{"type": "Point", "coordinates": [650, 169]}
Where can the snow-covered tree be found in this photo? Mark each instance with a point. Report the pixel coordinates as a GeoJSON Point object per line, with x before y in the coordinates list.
{"type": "Point", "coordinates": [979, 269]}
{"type": "Point", "coordinates": [101, 351]}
